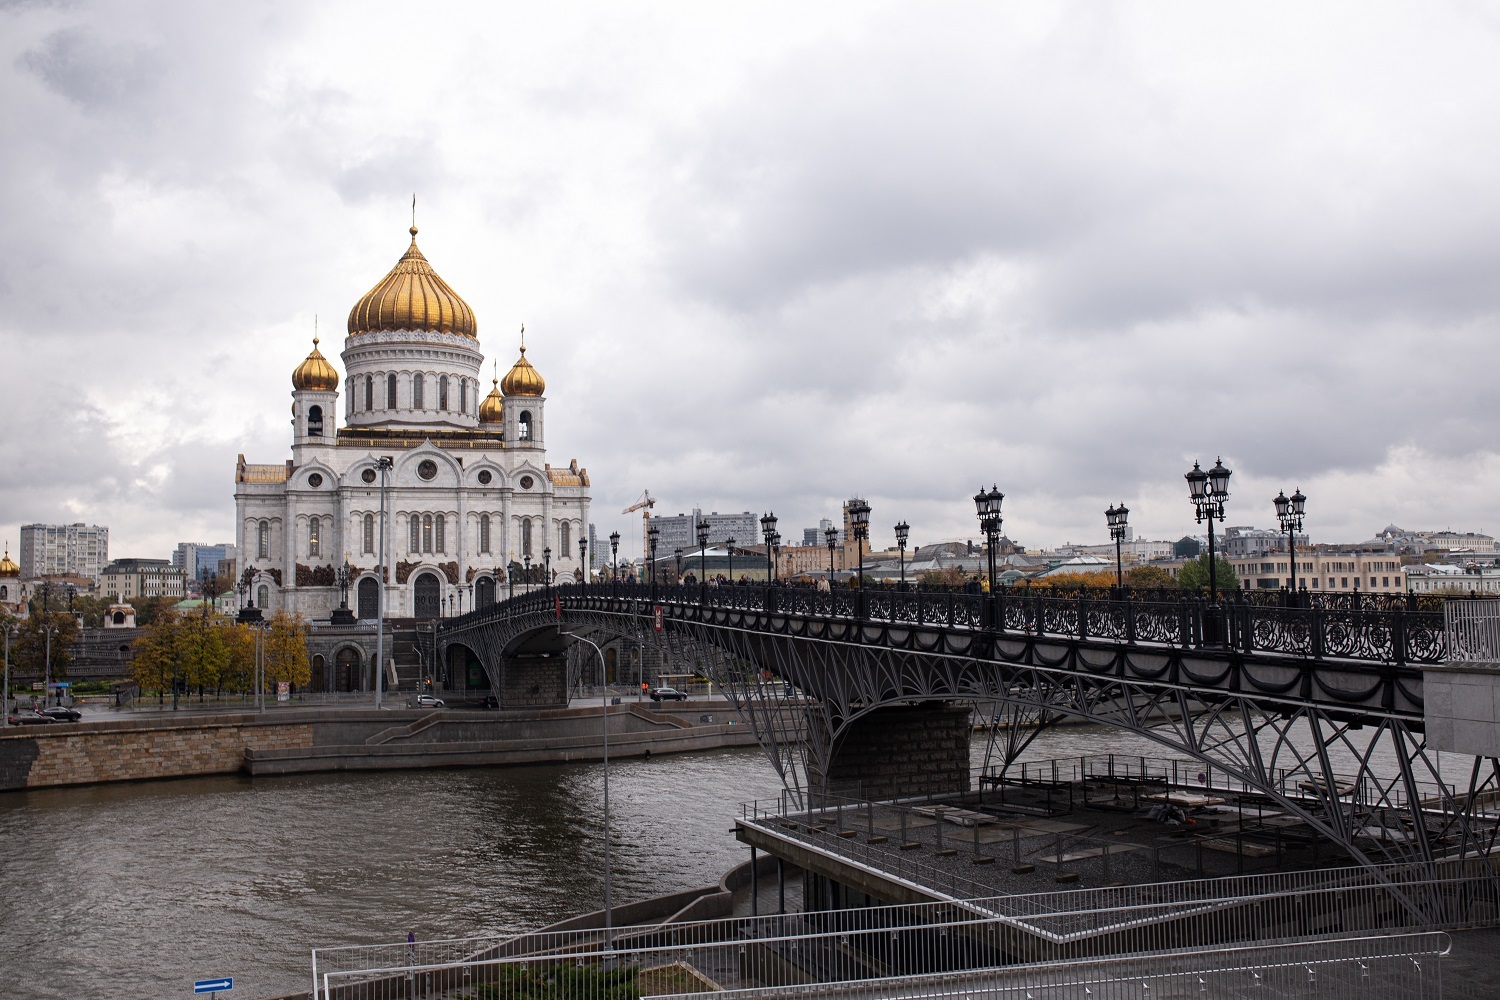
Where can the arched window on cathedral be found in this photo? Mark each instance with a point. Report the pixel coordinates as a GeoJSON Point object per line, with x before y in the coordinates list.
{"type": "Point", "coordinates": [263, 545]}
{"type": "Point", "coordinates": [566, 539]}
{"type": "Point", "coordinates": [463, 395]}
{"type": "Point", "coordinates": [416, 391]}
{"type": "Point", "coordinates": [315, 421]}
{"type": "Point", "coordinates": [369, 392]}
{"type": "Point", "coordinates": [262, 596]}
{"type": "Point", "coordinates": [484, 533]}
{"type": "Point", "coordinates": [438, 544]}
{"type": "Point", "coordinates": [369, 532]}
{"type": "Point", "coordinates": [525, 419]}
{"type": "Point", "coordinates": [427, 533]}
{"type": "Point", "coordinates": [390, 391]}
{"type": "Point", "coordinates": [526, 537]}
{"type": "Point", "coordinates": [442, 392]}
{"type": "Point", "coordinates": [314, 537]}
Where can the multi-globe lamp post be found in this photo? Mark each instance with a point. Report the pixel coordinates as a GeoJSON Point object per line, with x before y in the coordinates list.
{"type": "Point", "coordinates": [702, 554]}
{"type": "Point", "coordinates": [831, 536]}
{"type": "Point", "coordinates": [859, 521]}
{"type": "Point", "coordinates": [768, 531]}
{"type": "Point", "coordinates": [1208, 491]}
{"type": "Point", "coordinates": [1289, 511]}
{"type": "Point", "coordinates": [1118, 522]}
{"type": "Point", "coordinates": [987, 509]}
{"type": "Point", "coordinates": [653, 536]}
{"type": "Point", "coordinates": [902, 533]}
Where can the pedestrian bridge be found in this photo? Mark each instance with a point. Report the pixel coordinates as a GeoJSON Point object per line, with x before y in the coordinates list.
{"type": "Point", "coordinates": [1325, 698]}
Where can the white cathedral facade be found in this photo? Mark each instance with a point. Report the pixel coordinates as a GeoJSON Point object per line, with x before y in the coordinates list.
{"type": "Point", "coordinates": [470, 502]}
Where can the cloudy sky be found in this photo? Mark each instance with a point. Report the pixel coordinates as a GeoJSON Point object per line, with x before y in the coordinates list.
{"type": "Point", "coordinates": [774, 255]}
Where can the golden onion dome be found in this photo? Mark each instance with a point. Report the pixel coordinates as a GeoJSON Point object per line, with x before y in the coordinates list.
{"type": "Point", "coordinates": [315, 372]}
{"type": "Point", "coordinates": [8, 566]}
{"type": "Point", "coordinates": [522, 379]}
{"type": "Point", "coordinates": [492, 410]}
{"type": "Point", "coordinates": [413, 297]}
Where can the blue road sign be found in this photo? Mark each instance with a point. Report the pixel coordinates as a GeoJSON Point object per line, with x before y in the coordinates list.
{"type": "Point", "coordinates": [213, 985]}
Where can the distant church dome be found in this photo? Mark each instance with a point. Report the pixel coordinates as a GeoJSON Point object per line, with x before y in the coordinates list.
{"type": "Point", "coordinates": [522, 379]}
{"type": "Point", "coordinates": [413, 297]}
{"type": "Point", "coordinates": [492, 410]}
{"type": "Point", "coordinates": [8, 566]}
{"type": "Point", "coordinates": [315, 372]}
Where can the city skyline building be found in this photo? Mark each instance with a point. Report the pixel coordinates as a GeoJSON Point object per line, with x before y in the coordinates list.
{"type": "Point", "coordinates": [76, 549]}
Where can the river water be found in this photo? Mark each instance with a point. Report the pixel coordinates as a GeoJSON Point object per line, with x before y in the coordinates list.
{"type": "Point", "coordinates": [136, 890]}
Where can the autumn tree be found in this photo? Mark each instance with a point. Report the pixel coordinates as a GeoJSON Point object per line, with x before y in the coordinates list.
{"type": "Point", "coordinates": [1075, 581]}
{"type": "Point", "coordinates": [204, 655]}
{"type": "Point", "coordinates": [1149, 577]}
{"type": "Point", "coordinates": [158, 654]}
{"type": "Point", "coordinates": [284, 649]}
{"type": "Point", "coordinates": [239, 668]}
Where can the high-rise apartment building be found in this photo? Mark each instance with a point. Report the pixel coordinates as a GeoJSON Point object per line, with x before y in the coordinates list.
{"type": "Point", "coordinates": [681, 531]}
{"type": "Point", "coordinates": [63, 550]}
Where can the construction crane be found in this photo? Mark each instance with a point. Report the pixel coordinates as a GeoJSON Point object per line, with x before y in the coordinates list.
{"type": "Point", "coordinates": [644, 504]}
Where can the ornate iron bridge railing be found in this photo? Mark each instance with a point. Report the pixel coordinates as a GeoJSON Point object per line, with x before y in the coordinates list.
{"type": "Point", "coordinates": [1391, 632]}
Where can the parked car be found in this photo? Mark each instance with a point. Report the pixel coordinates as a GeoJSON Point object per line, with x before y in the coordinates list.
{"type": "Point", "coordinates": [428, 701]}
{"type": "Point", "coordinates": [30, 719]}
{"type": "Point", "coordinates": [58, 713]}
{"type": "Point", "coordinates": [668, 694]}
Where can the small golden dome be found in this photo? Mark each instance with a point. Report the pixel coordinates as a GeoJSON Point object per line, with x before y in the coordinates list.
{"type": "Point", "coordinates": [315, 372]}
{"type": "Point", "coordinates": [522, 379]}
{"type": "Point", "coordinates": [492, 410]}
{"type": "Point", "coordinates": [7, 565]}
{"type": "Point", "coordinates": [413, 297]}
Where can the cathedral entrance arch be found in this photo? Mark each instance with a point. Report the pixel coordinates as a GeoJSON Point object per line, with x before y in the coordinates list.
{"type": "Point", "coordinates": [428, 593]}
{"type": "Point", "coordinates": [346, 670]}
{"type": "Point", "coordinates": [484, 592]}
{"type": "Point", "coordinates": [369, 598]}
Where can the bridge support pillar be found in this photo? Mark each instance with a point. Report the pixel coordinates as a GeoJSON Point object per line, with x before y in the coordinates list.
{"type": "Point", "coordinates": [1461, 707]}
{"type": "Point", "coordinates": [900, 751]}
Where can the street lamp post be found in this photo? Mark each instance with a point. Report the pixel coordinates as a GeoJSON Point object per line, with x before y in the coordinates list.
{"type": "Point", "coordinates": [10, 631]}
{"type": "Point", "coordinates": [1117, 522]}
{"type": "Point", "coordinates": [527, 560]}
{"type": "Point", "coordinates": [859, 519]}
{"type": "Point", "coordinates": [614, 555]}
{"type": "Point", "coordinates": [767, 529]}
{"type": "Point", "coordinates": [583, 560]}
{"type": "Point", "coordinates": [902, 533]}
{"type": "Point", "coordinates": [1208, 491]}
{"type": "Point", "coordinates": [1289, 512]}
{"type": "Point", "coordinates": [987, 509]}
{"type": "Point", "coordinates": [653, 536]}
{"type": "Point", "coordinates": [384, 464]}
{"type": "Point", "coordinates": [677, 554]}
{"type": "Point", "coordinates": [729, 548]}
{"type": "Point", "coordinates": [831, 536]}
{"type": "Point", "coordinates": [702, 554]}
{"type": "Point", "coordinates": [546, 568]}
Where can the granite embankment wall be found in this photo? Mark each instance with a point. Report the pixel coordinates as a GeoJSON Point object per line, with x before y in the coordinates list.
{"type": "Point", "coordinates": [289, 741]}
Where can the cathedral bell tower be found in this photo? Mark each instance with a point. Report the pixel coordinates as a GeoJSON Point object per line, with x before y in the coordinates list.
{"type": "Point", "coordinates": [523, 387]}
{"type": "Point", "coordinates": [315, 398]}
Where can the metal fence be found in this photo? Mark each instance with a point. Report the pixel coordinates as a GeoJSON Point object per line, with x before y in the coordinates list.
{"type": "Point", "coordinates": [1473, 630]}
{"type": "Point", "coordinates": [922, 940]}
{"type": "Point", "coordinates": [1387, 632]}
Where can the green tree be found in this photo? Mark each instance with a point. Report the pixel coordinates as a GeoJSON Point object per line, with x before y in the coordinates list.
{"type": "Point", "coordinates": [29, 650]}
{"type": "Point", "coordinates": [149, 609]}
{"type": "Point", "coordinates": [284, 649]}
{"type": "Point", "coordinates": [1194, 574]}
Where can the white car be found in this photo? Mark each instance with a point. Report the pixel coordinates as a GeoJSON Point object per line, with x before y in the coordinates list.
{"type": "Point", "coordinates": [428, 701]}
